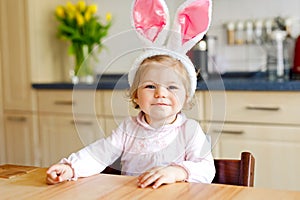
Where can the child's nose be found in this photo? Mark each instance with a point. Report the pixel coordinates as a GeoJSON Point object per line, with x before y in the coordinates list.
{"type": "Point", "coordinates": [160, 92]}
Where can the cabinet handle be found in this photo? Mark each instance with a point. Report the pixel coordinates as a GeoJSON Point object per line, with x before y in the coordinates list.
{"type": "Point", "coordinates": [64, 102]}
{"type": "Point", "coordinates": [237, 132]}
{"type": "Point", "coordinates": [86, 123]}
{"type": "Point", "coordinates": [17, 119]}
{"type": "Point", "coordinates": [267, 108]}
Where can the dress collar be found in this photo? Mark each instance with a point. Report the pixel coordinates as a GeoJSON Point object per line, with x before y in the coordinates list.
{"type": "Point", "coordinates": [180, 119]}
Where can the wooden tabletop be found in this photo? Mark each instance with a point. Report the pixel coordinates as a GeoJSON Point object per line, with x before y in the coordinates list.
{"type": "Point", "coordinates": [33, 186]}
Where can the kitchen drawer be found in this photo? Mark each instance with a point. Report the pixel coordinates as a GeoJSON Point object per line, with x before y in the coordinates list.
{"type": "Point", "coordinates": [257, 107]}
{"type": "Point", "coordinates": [69, 101]}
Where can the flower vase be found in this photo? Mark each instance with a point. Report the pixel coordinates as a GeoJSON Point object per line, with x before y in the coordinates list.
{"type": "Point", "coordinates": [84, 65]}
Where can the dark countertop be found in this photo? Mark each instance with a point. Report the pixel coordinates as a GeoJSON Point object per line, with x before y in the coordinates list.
{"type": "Point", "coordinates": [244, 83]}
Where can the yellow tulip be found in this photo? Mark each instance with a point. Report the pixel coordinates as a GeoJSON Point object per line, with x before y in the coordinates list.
{"type": "Point", "coordinates": [108, 17]}
{"type": "Point", "coordinates": [92, 8]}
{"type": "Point", "coordinates": [81, 6]}
{"type": "Point", "coordinates": [87, 16]}
{"type": "Point", "coordinates": [79, 19]}
{"type": "Point", "coordinates": [70, 7]}
{"type": "Point", "coordinates": [59, 11]}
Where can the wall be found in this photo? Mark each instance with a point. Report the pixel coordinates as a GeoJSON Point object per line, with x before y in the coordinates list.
{"type": "Point", "coordinates": [48, 54]}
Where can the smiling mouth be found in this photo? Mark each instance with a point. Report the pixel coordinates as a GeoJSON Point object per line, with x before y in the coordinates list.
{"type": "Point", "coordinates": [161, 104]}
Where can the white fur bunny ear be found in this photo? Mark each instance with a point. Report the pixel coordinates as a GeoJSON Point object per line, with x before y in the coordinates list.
{"type": "Point", "coordinates": [191, 23]}
{"type": "Point", "coordinates": [150, 18]}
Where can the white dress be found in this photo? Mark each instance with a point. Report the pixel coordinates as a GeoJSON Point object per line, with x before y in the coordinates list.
{"type": "Point", "coordinates": [142, 147]}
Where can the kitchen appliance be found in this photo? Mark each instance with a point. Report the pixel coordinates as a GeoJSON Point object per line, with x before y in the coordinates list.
{"type": "Point", "coordinates": [277, 58]}
{"type": "Point", "coordinates": [203, 55]}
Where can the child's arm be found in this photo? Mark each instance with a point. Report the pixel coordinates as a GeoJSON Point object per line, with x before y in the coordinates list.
{"type": "Point", "coordinates": [162, 175]}
{"type": "Point", "coordinates": [58, 173]}
{"type": "Point", "coordinates": [90, 160]}
{"type": "Point", "coordinates": [199, 161]}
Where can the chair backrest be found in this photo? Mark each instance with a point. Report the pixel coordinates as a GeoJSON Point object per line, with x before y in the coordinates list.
{"type": "Point", "coordinates": [235, 172]}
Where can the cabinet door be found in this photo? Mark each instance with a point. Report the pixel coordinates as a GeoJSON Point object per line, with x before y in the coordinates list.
{"type": "Point", "coordinates": [62, 135]}
{"type": "Point", "coordinates": [21, 139]}
{"type": "Point", "coordinates": [275, 148]}
{"type": "Point", "coordinates": [15, 55]}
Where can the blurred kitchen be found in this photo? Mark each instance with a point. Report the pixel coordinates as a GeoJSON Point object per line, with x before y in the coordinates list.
{"type": "Point", "coordinates": [253, 106]}
{"type": "Point", "coordinates": [254, 36]}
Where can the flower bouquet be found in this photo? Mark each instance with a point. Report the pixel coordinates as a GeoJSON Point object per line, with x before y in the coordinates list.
{"type": "Point", "coordinates": [79, 24]}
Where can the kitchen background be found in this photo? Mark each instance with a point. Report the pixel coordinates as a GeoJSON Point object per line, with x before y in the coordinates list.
{"type": "Point", "coordinates": [49, 55]}
{"type": "Point", "coordinates": [242, 58]}
{"type": "Point", "coordinates": [33, 129]}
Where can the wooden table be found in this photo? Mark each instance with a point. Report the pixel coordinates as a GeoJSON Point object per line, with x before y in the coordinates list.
{"type": "Point", "coordinates": [33, 186]}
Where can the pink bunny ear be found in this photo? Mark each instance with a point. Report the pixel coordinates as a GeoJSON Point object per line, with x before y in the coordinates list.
{"type": "Point", "coordinates": [192, 22]}
{"type": "Point", "coordinates": [194, 19]}
{"type": "Point", "coordinates": [149, 18]}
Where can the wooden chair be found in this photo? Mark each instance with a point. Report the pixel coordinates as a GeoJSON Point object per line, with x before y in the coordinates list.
{"type": "Point", "coordinates": [235, 172]}
{"type": "Point", "coordinates": [232, 172]}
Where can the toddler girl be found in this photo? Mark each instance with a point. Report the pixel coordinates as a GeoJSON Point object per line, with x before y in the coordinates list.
{"type": "Point", "coordinates": [159, 145]}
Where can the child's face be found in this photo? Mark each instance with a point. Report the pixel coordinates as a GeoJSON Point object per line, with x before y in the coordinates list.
{"type": "Point", "coordinates": [161, 93]}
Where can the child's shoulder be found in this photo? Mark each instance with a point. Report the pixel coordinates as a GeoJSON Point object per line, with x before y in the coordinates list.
{"type": "Point", "coordinates": [129, 120]}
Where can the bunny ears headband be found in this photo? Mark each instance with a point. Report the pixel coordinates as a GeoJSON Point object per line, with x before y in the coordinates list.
{"type": "Point", "coordinates": [150, 19]}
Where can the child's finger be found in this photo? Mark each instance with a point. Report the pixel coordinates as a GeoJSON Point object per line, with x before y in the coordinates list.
{"type": "Point", "coordinates": [52, 178]}
{"type": "Point", "coordinates": [145, 176]}
{"type": "Point", "coordinates": [153, 178]}
{"type": "Point", "coordinates": [158, 183]}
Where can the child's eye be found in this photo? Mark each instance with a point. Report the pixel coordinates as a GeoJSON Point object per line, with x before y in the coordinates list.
{"type": "Point", "coordinates": [172, 87]}
{"type": "Point", "coordinates": [150, 86]}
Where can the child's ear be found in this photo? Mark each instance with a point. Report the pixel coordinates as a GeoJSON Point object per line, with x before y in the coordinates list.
{"type": "Point", "coordinates": [136, 100]}
{"type": "Point", "coordinates": [188, 103]}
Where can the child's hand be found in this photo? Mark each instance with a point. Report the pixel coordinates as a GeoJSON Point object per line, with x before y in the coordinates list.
{"type": "Point", "coordinates": [59, 173]}
{"type": "Point", "coordinates": [160, 175]}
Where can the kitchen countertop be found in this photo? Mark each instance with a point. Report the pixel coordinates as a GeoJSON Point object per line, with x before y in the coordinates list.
{"type": "Point", "coordinates": [235, 83]}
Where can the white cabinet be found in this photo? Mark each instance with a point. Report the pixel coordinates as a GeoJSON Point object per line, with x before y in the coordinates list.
{"type": "Point", "coordinates": [266, 124]}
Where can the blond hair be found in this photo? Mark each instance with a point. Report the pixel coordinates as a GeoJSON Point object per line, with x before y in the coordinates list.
{"type": "Point", "coordinates": [166, 61]}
